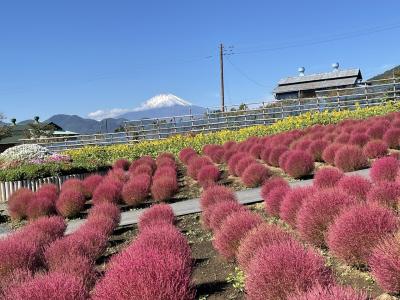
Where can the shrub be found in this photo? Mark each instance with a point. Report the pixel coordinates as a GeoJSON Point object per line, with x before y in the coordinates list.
{"type": "Point", "coordinates": [316, 149]}
{"type": "Point", "coordinates": [319, 211]}
{"type": "Point", "coordinates": [298, 164]}
{"type": "Point", "coordinates": [91, 182]}
{"type": "Point", "coordinates": [265, 152]}
{"type": "Point", "coordinates": [385, 193]}
{"type": "Point", "coordinates": [48, 190]}
{"type": "Point", "coordinates": [162, 276]}
{"type": "Point", "coordinates": [359, 139]}
{"type": "Point", "coordinates": [49, 286]}
{"type": "Point", "coordinates": [216, 194]}
{"type": "Point", "coordinates": [270, 184]}
{"type": "Point", "coordinates": [106, 191]}
{"type": "Point", "coordinates": [392, 138]}
{"type": "Point", "coordinates": [358, 230]}
{"type": "Point", "coordinates": [292, 201]}
{"type": "Point", "coordinates": [232, 230]}
{"type": "Point", "coordinates": [215, 215]}
{"type": "Point", "coordinates": [350, 158]}
{"type": "Point", "coordinates": [228, 154]}
{"type": "Point", "coordinates": [281, 269]}
{"type": "Point", "coordinates": [262, 235]}
{"type": "Point", "coordinates": [230, 145]}
{"type": "Point", "coordinates": [328, 155]}
{"type": "Point", "coordinates": [164, 188]}
{"type": "Point", "coordinates": [136, 190]}
{"type": "Point", "coordinates": [70, 203]}
{"type": "Point", "coordinates": [375, 149]}
{"type": "Point", "coordinates": [255, 151]}
{"type": "Point", "coordinates": [384, 169]}
{"type": "Point", "coordinates": [208, 175]}
{"type": "Point", "coordinates": [40, 206]}
{"type": "Point", "coordinates": [385, 264]}
{"type": "Point", "coordinates": [327, 177]}
{"type": "Point", "coordinates": [74, 184]}
{"type": "Point", "coordinates": [122, 164]}
{"type": "Point", "coordinates": [272, 202]}
{"type": "Point", "coordinates": [283, 158]}
{"type": "Point", "coordinates": [376, 131]}
{"type": "Point", "coordinates": [233, 161]}
{"type": "Point", "coordinates": [255, 175]}
{"type": "Point", "coordinates": [142, 169]}
{"type": "Point", "coordinates": [196, 164]}
{"type": "Point", "coordinates": [274, 155]}
{"type": "Point", "coordinates": [355, 185]}
{"type": "Point", "coordinates": [331, 292]}
{"type": "Point", "coordinates": [18, 203]}
{"type": "Point", "coordinates": [165, 156]}
{"type": "Point", "coordinates": [15, 278]}
{"type": "Point", "coordinates": [343, 138]}
{"type": "Point", "coordinates": [45, 229]}
{"type": "Point", "coordinates": [106, 210]}
{"type": "Point", "coordinates": [186, 154]}
{"type": "Point", "coordinates": [165, 171]}
{"type": "Point", "coordinates": [243, 164]}
{"type": "Point", "coordinates": [156, 215]}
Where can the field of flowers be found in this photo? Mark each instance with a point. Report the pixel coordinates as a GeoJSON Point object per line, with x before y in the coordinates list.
{"type": "Point", "coordinates": [336, 239]}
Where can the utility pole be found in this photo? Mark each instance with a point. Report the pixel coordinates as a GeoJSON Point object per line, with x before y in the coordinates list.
{"type": "Point", "coordinates": [221, 64]}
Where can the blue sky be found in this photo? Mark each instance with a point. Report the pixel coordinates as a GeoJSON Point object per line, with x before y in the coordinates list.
{"type": "Point", "coordinates": [76, 57]}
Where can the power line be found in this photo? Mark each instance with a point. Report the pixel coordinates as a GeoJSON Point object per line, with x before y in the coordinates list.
{"type": "Point", "coordinates": [244, 74]}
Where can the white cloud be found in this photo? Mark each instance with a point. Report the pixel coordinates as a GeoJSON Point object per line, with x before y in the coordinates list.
{"type": "Point", "coordinates": [163, 100]}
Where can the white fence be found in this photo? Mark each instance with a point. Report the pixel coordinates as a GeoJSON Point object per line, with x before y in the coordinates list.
{"type": "Point", "coordinates": [366, 94]}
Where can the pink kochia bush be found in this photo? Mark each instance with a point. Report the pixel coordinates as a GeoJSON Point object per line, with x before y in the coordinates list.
{"type": "Point", "coordinates": [215, 194]}
{"type": "Point", "coordinates": [262, 235]}
{"type": "Point", "coordinates": [356, 231]}
{"type": "Point", "coordinates": [50, 286]}
{"type": "Point", "coordinates": [91, 182]}
{"type": "Point", "coordinates": [319, 211]}
{"type": "Point", "coordinates": [255, 175]}
{"type": "Point", "coordinates": [215, 215]}
{"type": "Point", "coordinates": [44, 202]}
{"type": "Point", "coordinates": [122, 164]}
{"type": "Point", "coordinates": [270, 184]}
{"type": "Point", "coordinates": [375, 149]}
{"type": "Point", "coordinates": [243, 164]}
{"type": "Point", "coordinates": [385, 193]}
{"type": "Point", "coordinates": [164, 188]}
{"type": "Point", "coordinates": [384, 169]}
{"type": "Point", "coordinates": [282, 269]}
{"type": "Point", "coordinates": [272, 202]}
{"type": "Point", "coordinates": [292, 202]}
{"type": "Point", "coordinates": [136, 189]}
{"type": "Point", "coordinates": [328, 155]}
{"type": "Point", "coordinates": [327, 177]}
{"type": "Point", "coordinates": [156, 215]}
{"type": "Point", "coordinates": [107, 191]}
{"type": "Point", "coordinates": [355, 185]}
{"type": "Point", "coordinates": [392, 138]}
{"type": "Point", "coordinates": [332, 292]}
{"type": "Point", "coordinates": [186, 154]}
{"type": "Point", "coordinates": [385, 264]}
{"type": "Point", "coordinates": [70, 202]}
{"type": "Point", "coordinates": [18, 203]}
{"type": "Point", "coordinates": [350, 158]}
{"type": "Point", "coordinates": [208, 175]}
{"type": "Point", "coordinates": [196, 164]}
{"type": "Point", "coordinates": [298, 164]}
{"type": "Point", "coordinates": [232, 230]}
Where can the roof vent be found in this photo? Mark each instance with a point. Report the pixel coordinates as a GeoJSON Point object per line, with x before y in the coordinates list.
{"type": "Point", "coordinates": [335, 67]}
{"type": "Point", "coordinates": [301, 71]}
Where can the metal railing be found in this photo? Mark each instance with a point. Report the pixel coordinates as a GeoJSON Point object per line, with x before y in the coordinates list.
{"type": "Point", "coordinates": [262, 113]}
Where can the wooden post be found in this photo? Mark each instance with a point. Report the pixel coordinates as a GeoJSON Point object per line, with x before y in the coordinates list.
{"type": "Point", "coordinates": [338, 98]}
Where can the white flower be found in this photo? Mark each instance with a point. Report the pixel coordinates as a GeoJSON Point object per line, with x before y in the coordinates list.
{"type": "Point", "coordinates": [25, 153]}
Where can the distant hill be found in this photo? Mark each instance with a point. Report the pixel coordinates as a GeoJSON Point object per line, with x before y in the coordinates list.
{"type": "Point", "coordinates": [162, 112]}
{"type": "Point", "coordinates": [387, 74]}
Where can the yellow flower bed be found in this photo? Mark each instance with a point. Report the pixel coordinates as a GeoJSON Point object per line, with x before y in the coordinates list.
{"type": "Point", "coordinates": [174, 144]}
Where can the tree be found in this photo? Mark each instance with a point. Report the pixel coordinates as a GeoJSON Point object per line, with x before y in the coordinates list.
{"type": "Point", "coordinates": [5, 129]}
{"type": "Point", "coordinates": [37, 129]}
{"type": "Point", "coordinates": [242, 106]}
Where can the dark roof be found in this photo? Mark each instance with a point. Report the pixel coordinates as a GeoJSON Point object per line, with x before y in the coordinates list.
{"type": "Point", "coordinates": [318, 81]}
{"type": "Point", "coordinates": [18, 132]}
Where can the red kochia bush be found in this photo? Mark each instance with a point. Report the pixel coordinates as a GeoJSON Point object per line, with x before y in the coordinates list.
{"type": "Point", "coordinates": [358, 230]}
{"type": "Point", "coordinates": [233, 161]}
{"type": "Point", "coordinates": [165, 171]}
{"type": "Point", "coordinates": [299, 163]}
{"type": "Point", "coordinates": [50, 286]}
{"type": "Point", "coordinates": [156, 215]}
{"type": "Point", "coordinates": [255, 175]}
{"type": "Point", "coordinates": [385, 264]}
{"type": "Point", "coordinates": [274, 155]}
{"type": "Point", "coordinates": [70, 203]}
{"type": "Point", "coordinates": [40, 206]}
{"type": "Point", "coordinates": [18, 203]}
{"type": "Point", "coordinates": [215, 215]}
{"type": "Point", "coordinates": [270, 184]}
{"type": "Point", "coordinates": [163, 275]}
{"type": "Point", "coordinates": [208, 175]}
{"type": "Point", "coordinates": [327, 177]}
{"type": "Point", "coordinates": [243, 164]}
{"type": "Point", "coordinates": [255, 151]}
{"type": "Point", "coordinates": [232, 230]}
{"type": "Point", "coordinates": [106, 210]}
{"type": "Point", "coordinates": [316, 149]}
{"type": "Point", "coordinates": [164, 188]}
{"type": "Point", "coordinates": [262, 235]}
{"type": "Point", "coordinates": [328, 155]}
{"type": "Point", "coordinates": [216, 194]}
{"type": "Point", "coordinates": [350, 158]}
{"type": "Point", "coordinates": [392, 138]}
{"type": "Point", "coordinates": [91, 182]}
{"type": "Point", "coordinates": [359, 139]}
{"type": "Point", "coordinates": [282, 269]}
{"type": "Point", "coordinates": [292, 201]}
{"type": "Point", "coordinates": [48, 190]}
{"type": "Point", "coordinates": [384, 169]}
{"type": "Point", "coordinates": [375, 149]}
{"type": "Point", "coordinates": [196, 164]}
{"type": "Point", "coordinates": [73, 183]}
{"type": "Point", "coordinates": [332, 292]}
{"type": "Point", "coordinates": [376, 131]}
{"type": "Point", "coordinates": [186, 154]}
{"type": "Point", "coordinates": [136, 189]}
{"type": "Point", "coordinates": [272, 202]}
{"type": "Point", "coordinates": [385, 193]}
{"type": "Point", "coordinates": [355, 185]}
{"type": "Point", "coordinates": [122, 164]}
{"type": "Point", "coordinates": [319, 211]}
{"type": "Point", "coordinates": [143, 169]}
{"type": "Point", "coordinates": [106, 191]}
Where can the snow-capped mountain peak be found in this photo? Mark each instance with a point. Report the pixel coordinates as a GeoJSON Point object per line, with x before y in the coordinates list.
{"type": "Point", "coordinates": [163, 100]}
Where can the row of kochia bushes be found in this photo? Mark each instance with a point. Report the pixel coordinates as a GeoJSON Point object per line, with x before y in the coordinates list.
{"type": "Point", "coordinates": [175, 144]}
{"type": "Point", "coordinates": [39, 262]}
{"type": "Point", "coordinates": [351, 216]}
{"type": "Point", "coordinates": [127, 183]}
{"type": "Point", "coordinates": [348, 145]}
